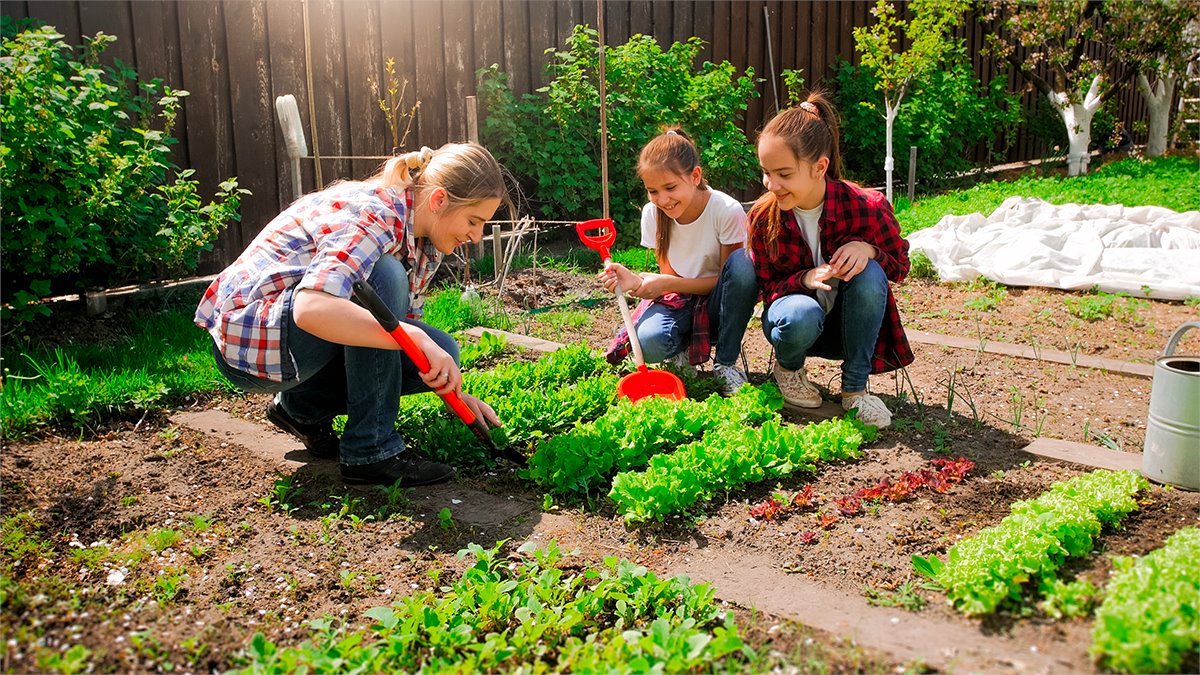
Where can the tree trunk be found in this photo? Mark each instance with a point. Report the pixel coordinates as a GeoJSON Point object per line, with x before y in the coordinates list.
{"type": "Point", "coordinates": [888, 163]}
{"type": "Point", "coordinates": [1158, 106]}
{"type": "Point", "coordinates": [1077, 117]}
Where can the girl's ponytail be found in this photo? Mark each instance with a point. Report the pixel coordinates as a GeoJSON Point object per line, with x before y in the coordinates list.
{"type": "Point", "coordinates": [466, 171]}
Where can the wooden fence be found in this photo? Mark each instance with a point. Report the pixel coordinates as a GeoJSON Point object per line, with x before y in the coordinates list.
{"type": "Point", "coordinates": [237, 56]}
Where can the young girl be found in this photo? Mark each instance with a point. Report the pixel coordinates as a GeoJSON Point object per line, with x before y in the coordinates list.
{"type": "Point", "coordinates": [823, 251]}
{"type": "Point", "coordinates": [282, 320]}
{"type": "Point", "coordinates": [706, 282]}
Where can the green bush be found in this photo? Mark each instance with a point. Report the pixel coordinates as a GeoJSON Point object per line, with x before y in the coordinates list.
{"type": "Point", "coordinates": [550, 139]}
{"type": "Point", "coordinates": [946, 115]}
{"type": "Point", "coordinates": [90, 198]}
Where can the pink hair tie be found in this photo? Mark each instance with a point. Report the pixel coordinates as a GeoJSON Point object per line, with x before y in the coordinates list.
{"type": "Point", "coordinates": [809, 107]}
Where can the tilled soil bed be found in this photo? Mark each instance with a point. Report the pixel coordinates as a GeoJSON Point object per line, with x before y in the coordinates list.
{"type": "Point", "coordinates": [239, 564]}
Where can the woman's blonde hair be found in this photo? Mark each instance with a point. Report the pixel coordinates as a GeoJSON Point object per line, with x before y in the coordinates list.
{"type": "Point", "coordinates": [673, 151]}
{"type": "Point", "coordinates": [811, 131]}
{"type": "Point", "coordinates": [466, 171]}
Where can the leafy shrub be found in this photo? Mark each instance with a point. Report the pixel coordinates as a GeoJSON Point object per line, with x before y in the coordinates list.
{"type": "Point", "coordinates": [90, 197]}
{"type": "Point", "coordinates": [946, 115]}
{"type": "Point", "coordinates": [550, 140]}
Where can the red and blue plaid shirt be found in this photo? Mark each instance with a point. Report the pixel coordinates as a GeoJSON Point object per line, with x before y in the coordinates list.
{"type": "Point", "coordinates": [851, 213]}
{"type": "Point", "coordinates": [324, 241]}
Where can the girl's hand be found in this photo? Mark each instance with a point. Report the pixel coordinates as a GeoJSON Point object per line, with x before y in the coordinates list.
{"type": "Point", "coordinates": [482, 410]}
{"type": "Point", "coordinates": [443, 375]}
{"type": "Point", "coordinates": [617, 273]}
{"type": "Point", "coordinates": [851, 259]}
{"type": "Point", "coordinates": [817, 276]}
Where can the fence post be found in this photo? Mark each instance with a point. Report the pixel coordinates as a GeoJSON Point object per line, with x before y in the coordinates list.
{"type": "Point", "coordinates": [473, 136]}
{"type": "Point", "coordinates": [912, 171]}
{"type": "Point", "coordinates": [497, 251]}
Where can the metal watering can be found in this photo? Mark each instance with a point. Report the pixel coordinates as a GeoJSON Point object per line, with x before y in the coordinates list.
{"type": "Point", "coordinates": [1172, 450]}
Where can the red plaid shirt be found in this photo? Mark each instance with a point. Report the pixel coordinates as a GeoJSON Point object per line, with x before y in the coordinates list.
{"type": "Point", "coordinates": [851, 213]}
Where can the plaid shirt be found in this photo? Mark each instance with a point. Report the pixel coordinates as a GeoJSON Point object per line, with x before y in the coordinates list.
{"type": "Point", "coordinates": [324, 241]}
{"type": "Point", "coordinates": [851, 214]}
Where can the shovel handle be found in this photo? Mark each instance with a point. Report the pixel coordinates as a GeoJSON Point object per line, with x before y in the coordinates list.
{"type": "Point", "coordinates": [369, 299]}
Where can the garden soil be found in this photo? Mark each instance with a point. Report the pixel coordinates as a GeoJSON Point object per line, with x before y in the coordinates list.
{"type": "Point", "coordinates": [256, 568]}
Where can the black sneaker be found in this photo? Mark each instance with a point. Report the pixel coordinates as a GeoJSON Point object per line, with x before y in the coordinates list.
{"type": "Point", "coordinates": [406, 467]}
{"type": "Point", "coordinates": [318, 439]}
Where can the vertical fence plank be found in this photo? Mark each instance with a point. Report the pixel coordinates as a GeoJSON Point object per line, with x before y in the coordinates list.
{"type": "Point", "coordinates": [641, 17]}
{"type": "Point", "coordinates": [285, 39]}
{"type": "Point", "coordinates": [209, 130]}
{"type": "Point", "coordinates": [543, 20]}
{"type": "Point", "coordinates": [156, 47]}
{"type": "Point", "coordinates": [328, 37]}
{"type": "Point", "coordinates": [515, 24]}
{"type": "Point", "coordinates": [428, 36]}
{"type": "Point", "coordinates": [254, 109]}
{"type": "Point", "coordinates": [663, 27]}
{"type": "Point", "coordinates": [62, 14]}
{"type": "Point", "coordinates": [683, 20]}
{"type": "Point", "coordinates": [458, 24]}
{"type": "Point", "coordinates": [113, 18]}
{"type": "Point", "coordinates": [366, 86]}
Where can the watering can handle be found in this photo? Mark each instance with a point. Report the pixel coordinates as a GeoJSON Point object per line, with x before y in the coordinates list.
{"type": "Point", "coordinates": [1177, 336]}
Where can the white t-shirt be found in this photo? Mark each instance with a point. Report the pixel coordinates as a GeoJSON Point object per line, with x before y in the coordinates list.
{"type": "Point", "coordinates": [695, 249]}
{"type": "Point", "coordinates": [810, 228]}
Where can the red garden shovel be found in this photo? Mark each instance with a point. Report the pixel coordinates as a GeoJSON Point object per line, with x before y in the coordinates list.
{"type": "Point", "coordinates": [645, 382]}
{"type": "Point", "coordinates": [369, 299]}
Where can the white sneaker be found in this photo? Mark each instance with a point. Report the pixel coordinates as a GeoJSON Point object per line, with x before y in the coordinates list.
{"type": "Point", "coordinates": [732, 377]}
{"type": "Point", "coordinates": [682, 363]}
{"type": "Point", "coordinates": [796, 388]}
{"type": "Point", "coordinates": [870, 409]}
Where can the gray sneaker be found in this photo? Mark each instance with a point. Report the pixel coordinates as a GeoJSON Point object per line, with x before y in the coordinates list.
{"type": "Point", "coordinates": [732, 377]}
{"type": "Point", "coordinates": [796, 388]}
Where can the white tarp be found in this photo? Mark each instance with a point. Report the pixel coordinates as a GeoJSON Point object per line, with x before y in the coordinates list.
{"type": "Point", "coordinates": [1029, 242]}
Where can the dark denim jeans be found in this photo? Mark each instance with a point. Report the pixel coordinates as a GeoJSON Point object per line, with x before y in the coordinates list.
{"type": "Point", "coordinates": [797, 327]}
{"type": "Point", "coordinates": [362, 383]}
{"type": "Point", "coordinates": [664, 332]}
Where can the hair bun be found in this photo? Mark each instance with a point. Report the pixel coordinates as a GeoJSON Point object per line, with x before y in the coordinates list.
{"type": "Point", "coordinates": [417, 161]}
{"type": "Point", "coordinates": [808, 106]}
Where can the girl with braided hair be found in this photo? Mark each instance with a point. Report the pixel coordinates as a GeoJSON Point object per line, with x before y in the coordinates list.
{"type": "Point", "coordinates": [824, 250]}
{"type": "Point", "coordinates": [283, 322]}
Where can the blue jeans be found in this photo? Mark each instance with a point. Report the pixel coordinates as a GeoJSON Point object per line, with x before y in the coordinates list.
{"type": "Point", "coordinates": [796, 326]}
{"type": "Point", "coordinates": [664, 332]}
{"type": "Point", "coordinates": [363, 383]}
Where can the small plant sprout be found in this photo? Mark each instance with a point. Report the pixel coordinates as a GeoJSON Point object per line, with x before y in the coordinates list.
{"type": "Point", "coordinates": [1016, 408]}
{"type": "Point", "coordinates": [446, 520]}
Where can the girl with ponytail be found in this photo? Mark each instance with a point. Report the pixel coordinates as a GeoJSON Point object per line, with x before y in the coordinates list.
{"type": "Point", "coordinates": [705, 284]}
{"type": "Point", "coordinates": [824, 251]}
{"type": "Point", "coordinates": [283, 322]}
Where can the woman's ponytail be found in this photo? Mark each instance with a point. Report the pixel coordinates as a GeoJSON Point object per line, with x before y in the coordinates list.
{"type": "Point", "coordinates": [401, 171]}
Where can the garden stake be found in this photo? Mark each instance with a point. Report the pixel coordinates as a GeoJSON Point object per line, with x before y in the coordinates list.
{"type": "Point", "coordinates": [369, 299]}
{"type": "Point", "coordinates": [645, 382]}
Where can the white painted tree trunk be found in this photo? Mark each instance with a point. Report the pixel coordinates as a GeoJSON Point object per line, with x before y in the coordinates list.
{"type": "Point", "coordinates": [1158, 107]}
{"type": "Point", "coordinates": [1077, 117]}
{"type": "Point", "coordinates": [889, 164]}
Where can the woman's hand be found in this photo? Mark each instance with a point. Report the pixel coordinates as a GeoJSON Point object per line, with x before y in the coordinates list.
{"type": "Point", "coordinates": [482, 410]}
{"type": "Point", "coordinates": [443, 375]}
{"type": "Point", "coordinates": [617, 273]}
{"type": "Point", "coordinates": [850, 259]}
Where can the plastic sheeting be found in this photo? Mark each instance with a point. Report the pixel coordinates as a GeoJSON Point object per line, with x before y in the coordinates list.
{"type": "Point", "coordinates": [1029, 242]}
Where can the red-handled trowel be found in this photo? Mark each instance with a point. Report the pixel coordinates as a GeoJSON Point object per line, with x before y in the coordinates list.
{"type": "Point", "coordinates": [369, 299]}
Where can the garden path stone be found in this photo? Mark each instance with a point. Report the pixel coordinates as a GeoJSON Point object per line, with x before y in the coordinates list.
{"type": "Point", "coordinates": [536, 344]}
{"type": "Point", "coordinates": [1129, 368]}
{"type": "Point", "coordinates": [753, 580]}
{"type": "Point", "coordinates": [1087, 455]}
